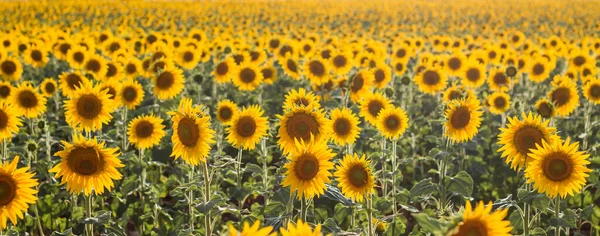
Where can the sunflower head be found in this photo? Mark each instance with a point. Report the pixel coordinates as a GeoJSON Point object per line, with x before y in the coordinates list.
{"type": "Point", "coordinates": [300, 98]}
{"type": "Point", "coordinates": [70, 81]}
{"type": "Point", "coordinates": [308, 168]}
{"type": "Point", "coordinates": [564, 96]}
{"type": "Point", "coordinates": [499, 102]}
{"type": "Point", "coordinates": [247, 76]}
{"type": "Point", "coordinates": [344, 126]}
{"type": "Point", "coordinates": [431, 80]}
{"type": "Point", "coordinates": [168, 83]}
{"type": "Point", "coordinates": [360, 84]}
{"type": "Point", "coordinates": [545, 108]}
{"type": "Point", "coordinates": [254, 230]}
{"type": "Point", "coordinates": [17, 191]}
{"type": "Point", "coordinates": [302, 124]}
{"type": "Point", "coordinates": [11, 68]}
{"type": "Point", "coordinates": [591, 90]}
{"type": "Point", "coordinates": [48, 87]}
{"type": "Point", "coordinates": [146, 131]}
{"type": "Point", "coordinates": [355, 177]}
{"type": "Point", "coordinates": [392, 122]}
{"type": "Point", "coordinates": [372, 104]}
{"type": "Point", "coordinates": [226, 109]}
{"type": "Point", "coordinates": [247, 127]}
{"type": "Point", "coordinates": [27, 101]}
{"type": "Point", "coordinates": [89, 108]}
{"type": "Point", "coordinates": [192, 135]}
{"type": "Point", "coordinates": [482, 220]}
{"type": "Point", "coordinates": [301, 228]}
{"type": "Point", "coordinates": [5, 90]}
{"type": "Point", "coordinates": [463, 119]}
{"type": "Point", "coordinates": [130, 93]}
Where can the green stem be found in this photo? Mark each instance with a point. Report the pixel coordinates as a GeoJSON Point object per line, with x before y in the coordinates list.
{"type": "Point", "coordinates": [142, 184]}
{"type": "Point", "coordinates": [526, 214]}
{"type": "Point", "coordinates": [384, 165]}
{"type": "Point", "coordinates": [239, 168]}
{"type": "Point", "coordinates": [588, 110]}
{"type": "Point", "coordinates": [263, 146]}
{"type": "Point", "coordinates": [394, 169]}
{"type": "Point", "coordinates": [303, 208]}
{"type": "Point", "coordinates": [207, 181]}
{"type": "Point", "coordinates": [370, 214]}
{"type": "Point", "coordinates": [290, 207]}
{"type": "Point", "coordinates": [557, 213]}
{"type": "Point", "coordinates": [124, 118]}
{"type": "Point", "coordinates": [48, 145]}
{"type": "Point", "coordinates": [37, 219]}
{"type": "Point", "coordinates": [89, 228]}
{"type": "Point", "coordinates": [191, 200]}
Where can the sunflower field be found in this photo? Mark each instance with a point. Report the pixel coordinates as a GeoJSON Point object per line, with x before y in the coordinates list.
{"type": "Point", "coordinates": [262, 117]}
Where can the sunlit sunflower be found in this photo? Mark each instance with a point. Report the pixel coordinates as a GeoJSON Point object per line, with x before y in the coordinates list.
{"type": "Point", "coordinates": [130, 93]}
{"type": "Point", "coordinates": [591, 90]}
{"type": "Point", "coordinates": [112, 87]}
{"type": "Point", "coordinates": [372, 104]}
{"type": "Point", "coordinates": [247, 77]}
{"type": "Point", "coordinates": [27, 101]}
{"type": "Point", "coordinates": [269, 73]}
{"type": "Point", "coordinates": [463, 118]}
{"type": "Point", "coordinates": [36, 56]}
{"type": "Point", "coordinates": [254, 230]}
{"type": "Point", "coordinates": [564, 96]}
{"type": "Point", "coordinates": [302, 123]}
{"type": "Point", "coordinates": [392, 122]}
{"type": "Point", "coordinates": [89, 108]}
{"type": "Point", "coordinates": [308, 168]}
{"type": "Point", "coordinates": [300, 229]}
{"type": "Point", "coordinates": [290, 67]}
{"type": "Point", "coordinates": [300, 98]}
{"type": "Point", "coordinates": [344, 126]}
{"type": "Point", "coordinates": [499, 102]}
{"type": "Point", "coordinates": [557, 168]}
{"type": "Point", "coordinates": [457, 92]}
{"type": "Point", "coordinates": [316, 71]}
{"type": "Point", "coordinates": [48, 87]}
{"type": "Point", "coordinates": [132, 68]}
{"type": "Point", "coordinates": [17, 191]}
{"type": "Point", "coordinates": [431, 80]}
{"type": "Point", "coordinates": [9, 120]}
{"type": "Point", "coordinates": [187, 58]}
{"type": "Point", "coordinates": [545, 108]}
{"type": "Point", "coordinates": [70, 81]}
{"type": "Point", "coordinates": [400, 67]}
{"type": "Point", "coordinates": [192, 135]}
{"type": "Point", "coordinates": [382, 75]}
{"type": "Point", "coordinates": [455, 64]}
{"type": "Point", "coordinates": [355, 177]}
{"type": "Point", "coordinates": [473, 75]}
{"type": "Point", "coordinates": [223, 71]}
{"type": "Point", "coordinates": [168, 83]}
{"type": "Point", "coordinates": [11, 68]}
{"type": "Point", "coordinates": [360, 84]}
{"type": "Point", "coordinates": [114, 72]}
{"type": "Point", "coordinates": [258, 57]}
{"type": "Point", "coordinates": [146, 131]}
{"type": "Point", "coordinates": [96, 66]}
{"type": "Point", "coordinates": [498, 81]}
{"type": "Point", "coordinates": [247, 127]}
{"type": "Point", "coordinates": [87, 165]}
{"type": "Point", "coordinates": [539, 70]}
{"type": "Point", "coordinates": [226, 109]}
{"type": "Point", "coordinates": [341, 63]}
{"type": "Point", "coordinates": [5, 90]}
{"type": "Point", "coordinates": [482, 221]}
{"type": "Point", "coordinates": [77, 56]}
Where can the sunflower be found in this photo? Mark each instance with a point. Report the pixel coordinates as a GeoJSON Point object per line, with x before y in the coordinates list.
{"type": "Point", "coordinates": [36, 56]}
{"type": "Point", "coordinates": [70, 81]}
{"type": "Point", "coordinates": [400, 67]}
{"type": "Point", "coordinates": [192, 135]}
{"type": "Point", "coordinates": [360, 85]}
{"type": "Point", "coordinates": [290, 67]}
{"type": "Point", "coordinates": [247, 77]}
{"type": "Point", "coordinates": [89, 108]}
{"type": "Point", "coordinates": [269, 74]}
{"type": "Point", "coordinates": [473, 75]}
{"type": "Point", "coordinates": [392, 122]}
{"type": "Point", "coordinates": [498, 81]}
{"type": "Point", "coordinates": [18, 188]}
{"type": "Point", "coordinates": [521, 136]}
{"type": "Point", "coordinates": [130, 93]}
{"type": "Point", "coordinates": [253, 230]}
{"type": "Point", "coordinates": [372, 104]}
{"type": "Point", "coordinates": [317, 71]}
{"type": "Point", "coordinates": [557, 168]}
{"type": "Point", "coordinates": [456, 92]}
{"type": "Point", "coordinates": [96, 66]}
{"type": "Point", "coordinates": [132, 68]}
{"type": "Point", "coordinates": [539, 70]}
{"type": "Point", "coordinates": [591, 91]}
{"type": "Point", "coordinates": [463, 118]}
{"type": "Point", "coordinates": [564, 96]}
{"type": "Point", "coordinates": [77, 56]}
{"type": "Point", "coordinates": [113, 72]}
{"type": "Point", "coordinates": [499, 102]}
{"type": "Point", "coordinates": [146, 131]}
{"type": "Point", "coordinates": [302, 123]}
{"type": "Point", "coordinates": [341, 63]}
{"type": "Point", "coordinates": [344, 126]}
{"type": "Point", "coordinates": [226, 109]}
{"type": "Point", "coordinates": [301, 229]}
{"type": "Point", "coordinates": [545, 108]}
{"type": "Point", "coordinates": [382, 75]}
{"type": "Point", "coordinates": [307, 172]}
{"type": "Point", "coordinates": [9, 121]}
{"type": "Point", "coordinates": [5, 90]}
{"type": "Point", "coordinates": [482, 221]}
{"type": "Point", "coordinates": [27, 101]}
{"type": "Point", "coordinates": [355, 177]}
{"type": "Point", "coordinates": [87, 165]}
{"type": "Point", "coordinates": [224, 70]}
{"type": "Point", "coordinates": [258, 56]}
{"type": "Point", "coordinates": [455, 64]}
{"type": "Point", "coordinates": [300, 98]}
{"type": "Point", "coordinates": [11, 68]}
{"type": "Point", "coordinates": [431, 80]}
{"type": "Point", "coordinates": [112, 87]}
{"type": "Point", "coordinates": [187, 58]}
{"type": "Point", "coordinates": [48, 87]}
{"type": "Point", "coordinates": [62, 48]}
{"type": "Point", "coordinates": [247, 127]}
{"type": "Point", "coordinates": [168, 83]}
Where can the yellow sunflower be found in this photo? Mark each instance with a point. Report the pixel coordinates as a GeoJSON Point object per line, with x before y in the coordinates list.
{"type": "Point", "coordinates": [498, 81]}
{"type": "Point", "coordinates": [539, 70]}
{"type": "Point", "coordinates": [48, 87]}
{"type": "Point", "coordinates": [355, 177]}
{"type": "Point", "coordinates": [316, 71]}
{"type": "Point", "coordinates": [247, 127]}
{"type": "Point", "coordinates": [168, 83]}
{"type": "Point", "coordinates": [300, 229]}
{"type": "Point", "coordinates": [521, 136]}
{"type": "Point", "coordinates": [70, 81]}
{"type": "Point", "coordinates": [382, 75]}
{"type": "Point", "coordinates": [302, 123]}
{"type": "Point", "coordinates": [18, 188]}
{"type": "Point", "coordinates": [372, 104]}
{"type": "Point", "coordinates": [11, 68]}
{"type": "Point", "coordinates": [300, 98]}
{"type": "Point", "coordinates": [254, 230]}
{"type": "Point", "coordinates": [457, 92]}
{"type": "Point", "coordinates": [89, 108]}
{"type": "Point", "coordinates": [130, 93]}
{"type": "Point", "coordinates": [341, 63]}
{"type": "Point", "coordinates": [392, 122]}
{"type": "Point", "coordinates": [112, 87]}
{"type": "Point", "coordinates": [545, 108]}
{"type": "Point", "coordinates": [360, 84]}
{"type": "Point", "coordinates": [290, 67]}
{"type": "Point", "coordinates": [187, 58]}
{"type": "Point", "coordinates": [564, 96]}
{"type": "Point", "coordinates": [247, 77]}
{"type": "Point", "coordinates": [27, 101]}
{"type": "Point", "coordinates": [5, 90]}
{"type": "Point", "coordinates": [463, 118]}
{"type": "Point", "coordinates": [226, 109]}
{"type": "Point", "coordinates": [224, 70]}
{"type": "Point", "coordinates": [499, 102]}
{"type": "Point", "coordinates": [9, 120]}
{"type": "Point", "coordinates": [482, 221]}
{"type": "Point", "coordinates": [591, 91]}
{"type": "Point", "coordinates": [344, 126]}
{"type": "Point", "coordinates": [87, 165]}
{"type": "Point", "coordinates": [132, 67]}
{"type": "Point", "coordinates": [96, 66]}
{"type": "Point", "coordinates": [431, 80]}
{"type": "Point", "coordinates": [473, 75]}
{"type": "Point", "coordinates": [77, 56]}
{"type": "Point", "coordinates": [146, 131]}
{"type": "Point", "coordinates": [307, 172]}
{"type": "Point", "coordinates": [557, 168]}
{"type": "Point", "coordinates": [455, 64]}
{"type": "Point", "coordinates": [400, 67]}
{"type": "Point", "coordinates": [192, 135]}
{"type": "Point", "coordinates": [269, 74]}
{"type": "Point", "coordinates": [36, 56]}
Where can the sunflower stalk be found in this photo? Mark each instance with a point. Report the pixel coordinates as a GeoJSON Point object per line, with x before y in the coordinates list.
{"type": "Point", "coordinates": [4, 151]}
{"type": "Point", "coordinates": [143, 182]}
{"type": "Point", "coordinates": [526, 213]}
{"type": "Point", "coordinates": [557, 215]}
{"type": "Point", "coordinates": [239, 168]}
{"type": "Point", "coordinates": [370, 214]}
{"type": "Point", "coordinates": [587, 124]}
{"type": "Point", "coordinates": [265, 179]}
{"type": "Point", "coordinates": [89, 228]}
{"type": "Point", "coordinates": [191, 200]}
{"type": "Point", "coordinates": [303, 208]}
{"type": "Point", "coordinates": [124, 119]}
{"type": "Point", "coordinates": [290, 207]}
{"type": "Point", "coordinates": [48, 144]}
{"type": "Point", "coordinates": [384, 164]}
{"type": "Point", "coordinates": [37, 219]}
{"type": "Point", "coordinates": [207, 181]}
{"type": "Point", "coordinates": [394, 169]}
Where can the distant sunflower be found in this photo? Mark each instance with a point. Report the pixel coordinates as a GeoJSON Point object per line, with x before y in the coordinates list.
{"type": "Point", "coordinates": [463, 118]}
{"type": "Point", "coordinates": [316, 71]}
{"type": "Point", "coordinates": [269, 74]}
{"type": "Point", "coordinates": [224, 70]}
{"type": "Point", "coordinates": [355, 177]}
{"type": "Point", "coordinates": [87, 165]}
{"type": "Point", "coordinates": [392, 122]}
{"type": "Point", "coordinates": [5, 90]}
{"type": "Point", "coordinates": [341, 63]}
{"type": "Point", "coordinates": [258, 57]}
{"type": "Point", "coordinates": [300, 98]}
{"type": "Point", "coordinates": [558, 168]}
{"type": "Point", "coordinates": [36, 56]}
{"type": "Point", "coordinates": [130, 93]}
{"type": "Point", "coordinates": [70, 81]}
{"type": "Point", "coordinates": [400, 67]}
{"type": "Point", "coordinates": [301, 228]}
{"type": "Point", "coordinates": [431, 80]}
{"type": "Point", "coordinates": [290, 67]}
{"type": "Point", "coordinates": [9, 120]}
{"type": "Point", "coordinates": [308, 168]}
{"type": "Point", "coordinates": [254, 230]}
{"type": "Point", "coordinates": [18, 191]}
{"type": "Point", "coordinates": [473, 75]}
{"type": "Point", "coordinates": [591, 91]}
{"type": "Point", "coordinates": [564, 96]}
{"type": "Point", "coordinates": [382, 75]}
{"type": "Point", "coordinates": [360, 84]}
{"type": "Point", "coordinates": [344, 126]}
{"type": "Point", "coordinates": [113, 72]}
{"type": "Point", "coordinates": [146, 131]}
{"type": "Point", "coordinates": [498, 81]}
{"type": "Point", "coordinates": [168, 83]}
{"type": "Point", "coordinates": [539, 70]}
{"type": "Point", "coordinates": [77, 56]}
{"type": "Point", "coordinates": [27, 101]}
{"type": "Point", "coordinates": [247, 127]}
{"type": "Point", "coordinates": [545, 109]}
{"type": "Point", "coordinates": [112, 87]}
{"type": "Point", "coordinates": [247, 77]}
{"type": "Point", "coordinates": [499, 102]}
{"type": "Point", "coordinates": [11, 68]}
{"type": "Point", "coordinates": [96, 66]}
{"type": "Point", "coordinates": [48, 87]}
{"type": "Point", "coordinates": [192, 134]}
{"type": "Point", "coordinates": [226, 109]}
{"type": "Point", "coordinates": [132, 68]}
{"type": "Point", "coordinates": [187, 58]}
{"type": "Point", "coordinates": [304, 124]}
{"type": "Point", "coordinates": [456, 92]}
{"type": "Point", "coordinates": [520, 136]}
{"type": "Point", "coordinates": [455, 64]}
{"type": "Point", "coordinates": [371, 106]}
{"type": "Point", "coordinates": [89, 108]}
{"type": "Point", "coordinates": [482, 221]}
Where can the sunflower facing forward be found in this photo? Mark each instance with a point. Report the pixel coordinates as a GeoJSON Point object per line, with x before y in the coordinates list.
{"type": "Point", "coordinates": [463, 118]}
{"type": "Point", "coordinates": [304, 124]}
{"type": "Point", "coordinates": [17, 191]}
{"type": "Point", "coordinates": [301, 228]}
{"type": "Point", "coordinates": [247, 77]}
{"type": "Point", "coordinates": [70, 81]}
{"type": "Point", "coordinates": [192, 135]}
{"type": "Point", "coordinates": [308, 169]}
{"type": "Point", "coordinates": [87, 165]}
{"type": "Point", "coordinates": [344, 126]}
{"type": "Point", "coordinates": [392, 122]}
{"type": "Point", "coordinates": [360, 84]}
{"type": "Point", "coordinates": [499, 102]}
{"type": "Point", "coordinates": [10, 69]}
{"type": "Point", "coordinates": [482, 221]}
{"type": "Point", "coordinates": [27, 101]}
{"type": "Point", "coordinates": [300, 98]}
{"type": "Point", "coordinates": [564, 95]}
{"type": "Point", "coordinates": [226, 109]}
{"type": "Point", "coordinates": [130, 94]}
{"type": "Point", "coordinates": [431, 80]}
{"type": "Point", "coordinates": [557, 168]}
{"type": "Point", "coordinates": [89, 108]}
{"type": "Point", "coordinates": [5, 90]}
{"type": "Point", "coordinates": [146, 131]}
{"type": "Point", "coordinates": [48, 87]}
{"type": "Point", "coordinates": [168, 83]}
{"type": "Point", "coordinates": [591, 90]}
{"type": "Point", "coordinates": [248, 126]}
{"type": "Point", "coordinates": [355, 177]}
{"type": "Point", "coordinates": [372, 104]}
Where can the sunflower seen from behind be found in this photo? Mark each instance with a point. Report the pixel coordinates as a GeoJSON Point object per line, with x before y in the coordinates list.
{"type": "Point", "coordinates": [192, 135]}
{"type": "Point", "coordinates": [247, 77]}
{"type": "Point", "coordinates": [302, 124]}
{"type": "Point", "coordinates": [17, 191]}
{"type": "Point", "coordinates": [392, 122]}
{"type": "Point", "coordinates": [146, 131]}
{"type": "Point", "coordinates": [463, 119]}
{"type": "Point", "coordinates": [168, 83]}
{"type": "Point", "coordinates": [27, 101]}
{"type": "Point", "coordinates": [308, 169]}
{"type": "Point", "coordinates": [48, 87]}
{"type": "Point", "coordinates": [499, 102]}
{"type": "Point", "coordinates": [247, 127]}
{"type": "Point", "coordinates": [355, 177]}
{"type": "Point", "coordinates": [87, 165]}
{"type": "Point", "coordinates": [344, 126]}
{"type": "Point", "coordinates": [226, 109]}
{"type": "Point", "coordinates": [89, 108]}
{"type": "Point", "coordinates": [482, 220]}
{"type": "Point", "coordinates": [254, 230]}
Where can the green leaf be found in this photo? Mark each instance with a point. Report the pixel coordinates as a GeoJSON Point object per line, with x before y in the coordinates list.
{"type": "Point", "coordinates": [253, 168]}
{"type": "Point", "coordinates": [461, 184]}
{"type": "Point", "coordinates": [429, 224]}
{"type": "Point", "coordinates": [334, 193]}
{"type": "Point", "coordinates": [423, 188]}
{"type": "Point", "coordinates": [537, 200]}
{"type": "Point", "coordinates": [568, 218]}
{"type": "Point", "coordinates": [67, 232]}
{"type": "Point", "coordinates": [537, 231]}
{"type": "Point", "coordinates": [207, 206]}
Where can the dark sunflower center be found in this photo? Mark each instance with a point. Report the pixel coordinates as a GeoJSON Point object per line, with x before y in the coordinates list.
{"type": "Point", "coordinates": [340, 61]}
{"type": "Point", "coordinates": [112, 70]}
{"type": "Point", "coordinates": [144, 129]}
{"type": "Point", "coordinates": [454, 63]}
{"type": "Point", "coordinates": [358, 176]}
{"type": "Point", "coordinates": [247, 75]}
{"type": "Point", "coordinates": [36, 55]}
{"type": "Point", "coordinates": [379, 75]}
{"type": "Point", "coordinates": [267, 73]}
{"type": "Point", "coordinates": [89, 106]}
{"type": "Point", "coordinates": [515, 38]}
{"type": "Point", "coordinates": [431, 77]}
{"type": "Point", "coordinates": [4, 91]}
{"type": "Point", "coordinates": [254, 55]}
{"type": "Point", "coordinates": [472, 228]}
{"type": "Point", "coordinates": [73, 80]}
{"type": "Point", "coordinates": [159, 65]}
{"type": "Point", "coordinates": [307, 48]}
{"type": "Point", "coordinates": [111, 91]}
{"type": "Point", "coordinates": [93, 65]}
{"type": "Point", "coordinates": [291, 65]}
{"type": "Point", "coordinates": [8, 67]}
{"type": "Point", "coordinates": [273, 43]}
{"type": "Point", "coordinates": [500, 79]}
{"type": "Point", "coordinates": [316, 68]}
{"type": "Point", "coordinates": [129, 94]}
{"type": "Point", "coordinates": [326, 54]}
{"type": "Point", "coordinates": [526, 138]}
{"type": "Point", "coordinates": [302, 102]}
{"type": "Point", "coordinates": [521, 63]}
{"type": "Point", "coordinates": [561, 96]}
{"type": "Point", "coordinates": [545, 110]}
{"type": "Point", "coordinates": [146, 64]}
{"type": "Point", "coordinates": [492, 55]}
{"type": "Point", "coordinates": [238, 58]}
{"type": "Point", "coordinates": [131, 68]}
{"type": "Point", "coordinates": [594, 91]}
{"type": "Point", "coordinates": [302, 125]}
{"type": "Point", "coordinates": [454, 95]}
{"type": "Point", "coordinates": [538, 69]}
{"type": "Point", "coordinates": [114, 46]}
{"type": "Point", "coordinates": [499, 102]}
{"type": "Point", "coordinates": [400, 53]}
{"type": "Point", "coordinates": [165, 80]}
{"type": "Point", "coordinates": [392, 122]}
{"type": "Point", "coordinates": [197, 37]}
{"type": "Point", "coordinates": [357, 83]}
{"type": "Point", "coordinates": [158, 55]}
{"type": "Point", "coordinates": [188, 132]}
{"type": "Point", "coordinates": [285, 49]}
{"type": "Point", "coordinates": [27, 99]}
{"type": "Point", "coordinates": [579, 60]}
{"type": "Point", "coordinates": [151, 39]}
{"type": "Point", "coordinates": [341, 126]}
{"type": "Point", "coordinates": [460, 118]}
{"type": "Point", "coordinates": [553, 43]}
{"type": "Point", "coordinates": [374, 107]}
{"type": "Point", "coordinates": [558, 167]}
{"type": "Point", "coordinates": [307, 167]}
{"type": "Point", "coordinates": [85, 161]}
{"type": "Point", "coordinates": [222, 68]}
{"type": "Point", "coordinates": [246, 127]}
{"type": "Point", "coordinates": [3, 119]}
{"type": "Point", "coordinates": [64, 48]}
{"type": "Point", "coordinates": [225, 113]}
{"type": "Point", "coordinates": [399, 66]}
{"type": "Point", "coordinates": [586, 72]}
{"type": "Point", "coordinates": [8, 190]}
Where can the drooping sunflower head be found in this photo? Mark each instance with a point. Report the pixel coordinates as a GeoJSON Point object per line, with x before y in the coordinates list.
{"type": "Point", "coordinates": [344, 126]}
{"type": "Point", "coordinates": [146, 131]}
{"type": "Point", "coordinates": [482, 220]}
{"type": "Point", "coordinates": [591, 91]}
{"type": "Point", "coordinates": [302, 123]}
{"type": "Point", "coordinates": [6, 89]}
{"type": "Point", "coordinates": [564, 96]}
{"type": "Point", "coordinates": [360, 84]}
{"type": "Point", "coordinates": [463, 119]}
{"type": "Point", "coordinates": [372, 104]}
{"type": "Point", "coordinates": [11, 68]}
{"type": "Point", "coordinates": [254, 230]}
{"type": "Point", "coordinates": [316, 70]}
{"type": "Point", "coordinates": [247, 127]}
{"type": "Point", "coordinates": [431, 80]}
{"type": "Point", "coordinates": [86, 165]}
{"type": "Point", "coordinates": [247, 77]}
{"type": "Point", "coordinates": [499, 102]}
{"type": "Point", "coordinates": [48, 87]}
{"type": "Point", "coordinates": [131, 93]}
{"type": "Point", "coordinates": [300, 98]}
{"type": "Point", "coordinates": [27, 101]}
{"type": "Point", "coordinates": [89, 108]}
{"type": "Point", "coordinates": [355, 177]}
{"type": "Point", "coordinates": [17, 191]}
{"type": "Point", "coordinates": [392, 122]}
{"type": "Point", "coordinates": [168, 83]}
{"type": "Point", "coordinates": [557, 168]}
{"type": "Point", "coordinates": [9, 120]}
{"type": "Point", "coordinates": [226, 109]}
{"type": "Point", "coordinates": [308, 169]}
{"type": "Point", "coordinates": [70, 81]}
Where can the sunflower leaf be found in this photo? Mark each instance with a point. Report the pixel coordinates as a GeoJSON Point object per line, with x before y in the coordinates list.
{"type": "Point", "coordinates": [423, 188]}
{"type": "Point", "coordinates": [334, 193]}
{"type": "Point", "coordinates": [429, 224]}
{"type": "Point", "coordinates": [461, 184]}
